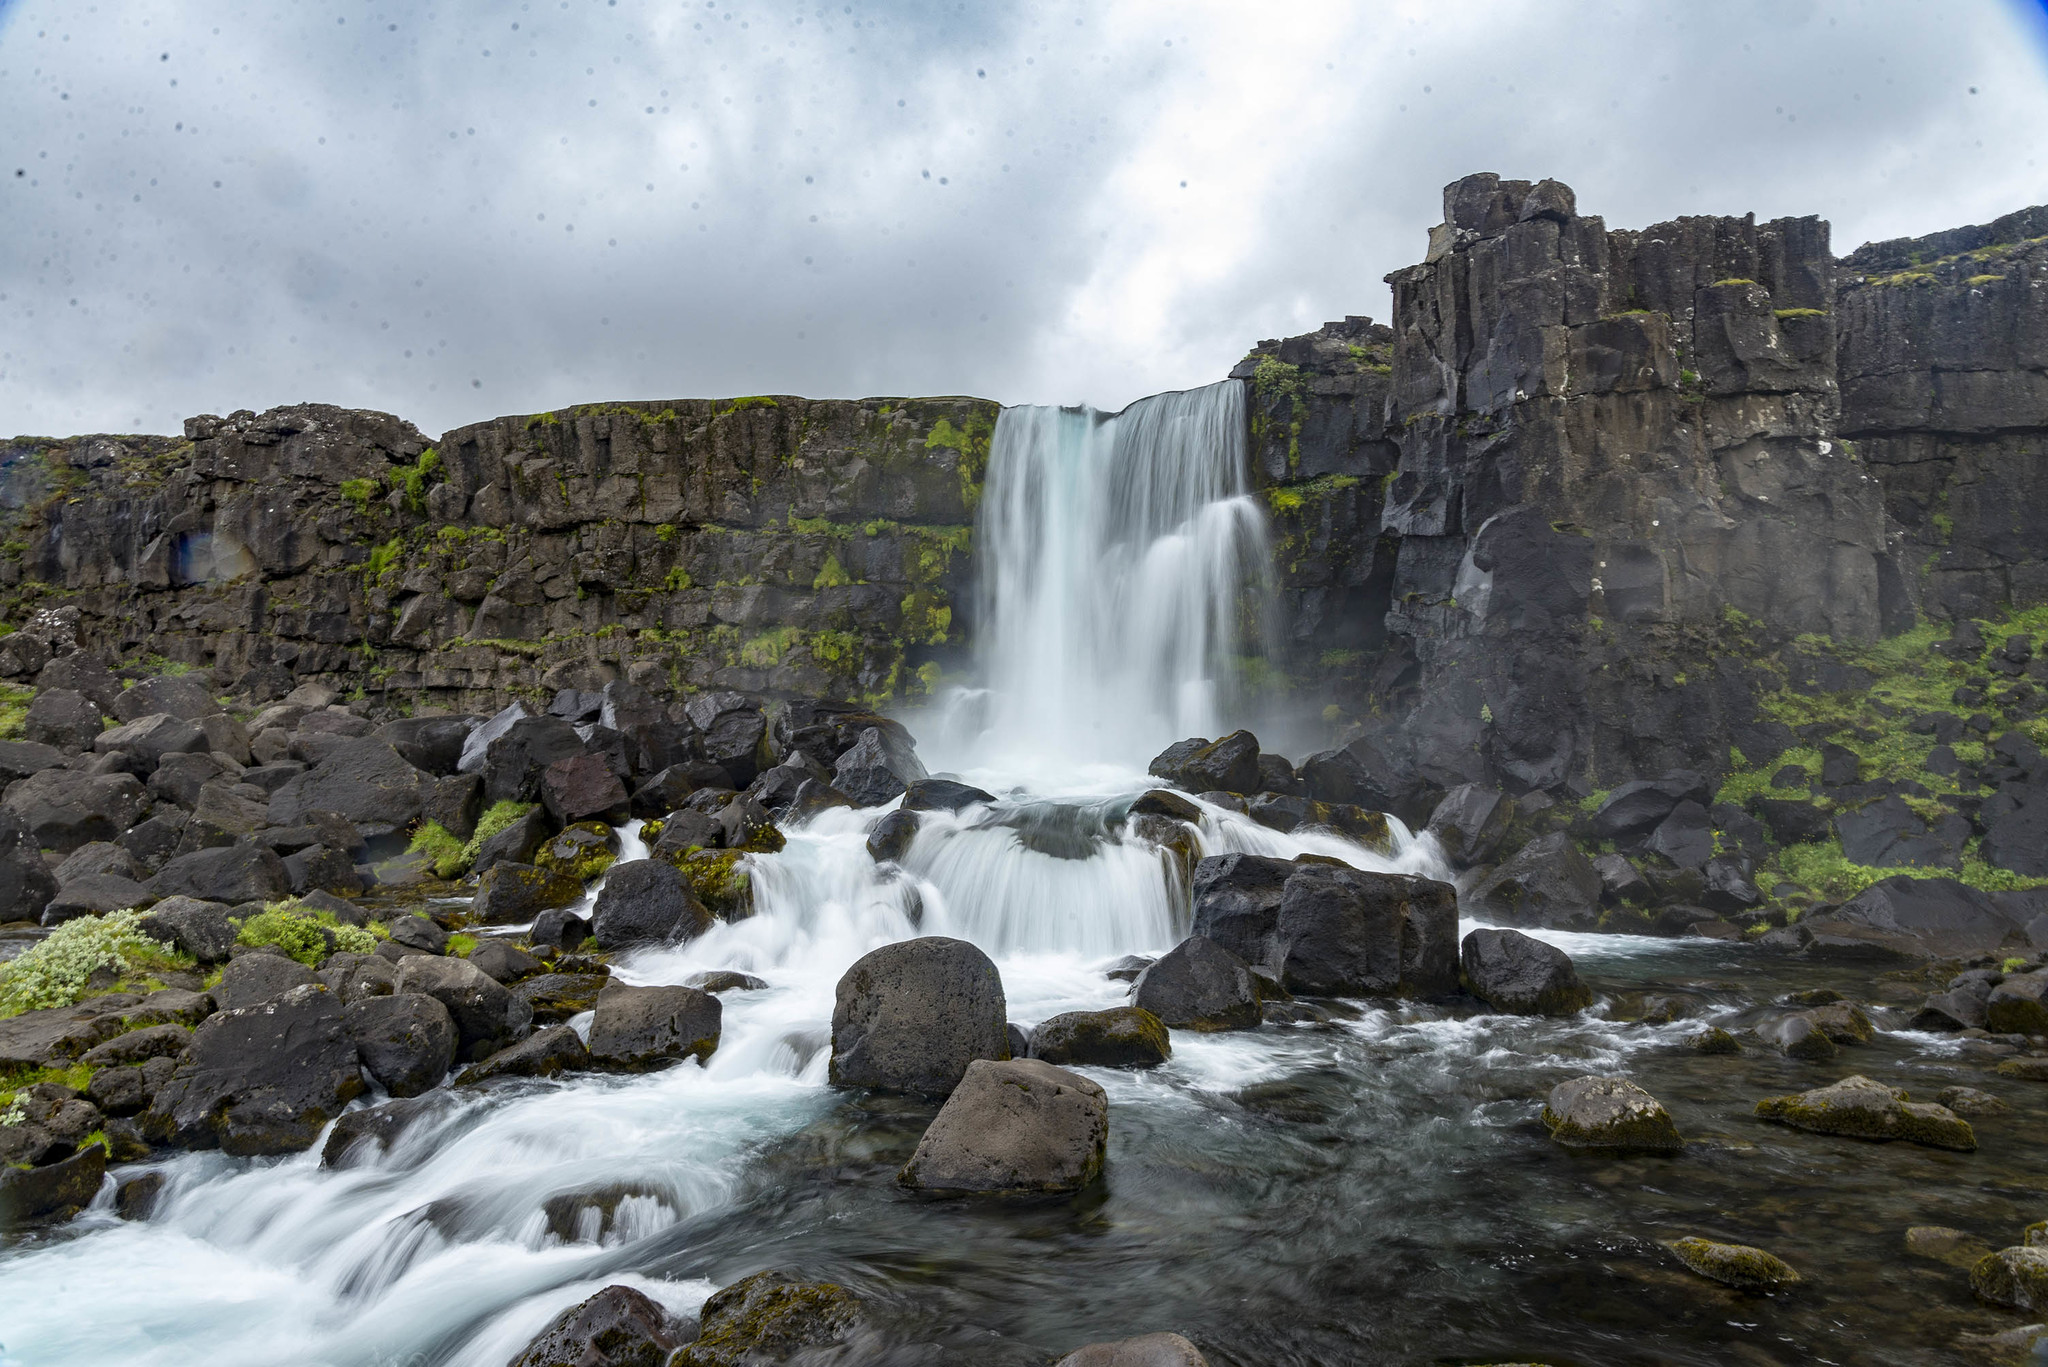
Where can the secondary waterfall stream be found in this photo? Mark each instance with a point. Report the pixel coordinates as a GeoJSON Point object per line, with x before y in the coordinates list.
{"type": "Point", "coordinates": [1361, 1191]}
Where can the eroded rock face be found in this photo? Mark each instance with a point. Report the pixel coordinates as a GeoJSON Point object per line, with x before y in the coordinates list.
{"type": "Point", "coordinates": [1020, 1125]}
{"type": "Point", "coordinates": [911, 1017]}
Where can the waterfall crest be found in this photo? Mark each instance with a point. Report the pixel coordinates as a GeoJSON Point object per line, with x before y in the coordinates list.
{"type": "Point", "coordinates": [1119, 557]}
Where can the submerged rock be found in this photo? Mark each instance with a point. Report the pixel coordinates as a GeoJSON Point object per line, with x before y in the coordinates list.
{"type": "Point", "coordinates": [1863, 1109]}
{"type": "Point", "coordinates": [1956, 1247]}
{"type": "Point", "coordinates": [768, 1318]}
{"type": "Point", "coordinates": [911, 1017]}
{"type": "Point", "coordinates": [1715, 1040]}
{"type": "Point", "coordinates": [1020, 1125]}
{"type": "Point", "coordinates": [1521, 975]}
{"type": "Point", "coordinates": [1199, 985]}
{"type": "Point", "coordinates": [1969, 1101]}
{"type": "Point", "coordinates": [617, 1327]}
{"type": "Point", "coordinates": [2013, 1277]}
{"type": "Point", "coordinates": [1609, 1113]}
{"type": "Point", "coordinates": [1146, 1350]}
{"type": "Point", "coordinates": [1736, 1265]}
{"type": "Point", "coordinates": [1798, 1036]}
{"type": "Point", "coordinates": [1121, 1037]}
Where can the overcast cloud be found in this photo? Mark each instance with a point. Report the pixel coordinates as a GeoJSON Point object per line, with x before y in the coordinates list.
{"type": "Point", "coordinates": [451, 210]}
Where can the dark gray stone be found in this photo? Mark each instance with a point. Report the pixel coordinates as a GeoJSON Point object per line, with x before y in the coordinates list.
{"type": "Point", "coordinates": [1346, 932]}
{"type": "Point", "coordinates": [487, 1017]}
{"type": "Point", "coordinates": [1513, 973]}
{"type": "Point", "coordinates": [910, 1017]}
{"type": "Point", "coordinates": [1228, 765]}
{"type": "Point", "coordinates": [232, 874]}
{"type": "Point", "coordinates": [1018, 1125]}
{"type": "Point", "coordinates": [252, 979]}
{"type": "Point", "coordinates": [878, 767]}
{"type": "Point", "coordinates": [635, 1029]}
{"type": "Point", "coordinates": [406, 1041]}
{"type": "Point", "coordinates": [1199, 985]}
{"type": "Point", "coordinates": [646, 901]}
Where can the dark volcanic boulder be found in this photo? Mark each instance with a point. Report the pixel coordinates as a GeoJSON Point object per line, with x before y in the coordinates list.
{"type": "Point", "coordinates": [1863, 1109]}
{"type": "Point", "coordinates": [879, 766]}
{"type": "Point", "coordinates": [1237, 902]}
{"type": "Point", "coordinates": [517, 843]}
{"type": "Point", "coordinates": [1199, 985]}
{"type": "Point", "coordinates": [2016, 1006]}
{"type": "Point", "coordinates": [1343, 932]}
{"type": "Point", "coordinates": [583, 787]}
{"type": "Point", "coordinates": [26, 883]}
{"type": "Point", "coordinates": [1514, 973]}
{"type": "Point", "coordinates": [152, 738]}
{"type": "Point", "coordinates": [1121, 1037]}
{"type": "Point", "coordinates": [514, 761]}
{"type": "Point", "coordinates": [767, 1318]}
{"type": "Point", "coordinates": [432, 745]}
{"type": "Point", "coordinates": [180, 695]}
{"type": "Point", "coordinates": [646, 901]}
{"type": "Point", "coordinates": [733, 733]}
{"type": "Point", "coordinates": [1640, 807]}
{"type": "Point", "coordinates": [1229, 765]}
{"type": "Point", "coordinates": [910, 1017]}
{"type": "Point", "coordinates": [671, 787]}
{"type": "Point", "coordinates": [943, 795]}
{"type": "Point", "coordinates": [231, 874]}
{"type": "Point", "coordinates": [1547, 883]}
{"type": "Point", "coordinates": [1470, 823]}
{"type": "Point", "coordinates": [52, 1192]}
{"type": "Point", "coordinates": [64, 718]}
{"type": "Point", "coordinates": [1685, 837]}
{"type": "Point", "coordinates": [1889, 834]}
{"type": "Point", "coordinates": [1020, 1125]}
{"type": "Point", "coordinates": [20, 758]}
{"type": "Point", "coordinates": [1791, 820]}
{"type": "Point", "coordinates": [487, 1016]}
{"type": "Point", "coordinates": [890, 839]}
{"type": "Point", "coordinates": [635, 1029]}
{"type": "Point", "coordinates": [64, 809]}
{"type": "Point", "coordinates": [95, 895]}
{"type": "Point", "coordinates": [504, 961]}
{"type": "Point", "coordinates": [405, 1041]}
{"type": "Point", "coordinates": [1934, 917]}
{"type": "Point", "coordinates": [364, 780]}
{"type": "Point", "coordinates": [618, 1327]}
{"type": "Point", "coordinates": [545, 1053]}
{"type": "Point", "coordinates": [554, 997]}
{"type": "Point", "coordinates": [560, 927]}
{"type": "Point", "coordinates": [509, 894]}
{"type": "Point", "coordinates": [684, 830]}
{"type": "Point", "coordinates": [1798, 1035]}
{"type": "Point", "coordinates": [201, 929]}
{"type": "Point", "coordinates": [254, 979]}
{"type": "Point", "coordinates": [260, 1080]}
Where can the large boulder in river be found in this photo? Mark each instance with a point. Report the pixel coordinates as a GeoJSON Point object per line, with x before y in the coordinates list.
{"type": "Point", "coordinates": [733, 733]}
{"type": "Point", "coordinates": [1520, 975]}
{"type": "Point", "coordinates": [1019, 1125]}
{"type": "Point", "coordinates": [1121, 1037]}
{"type": "Point", "coordinates": [1199, 985]}
{"type": "Point", "coordinates": [1546, 883]}
{"type": "Point", "coordinates": [617, 1327]}
{"type": "Point", "coordinates": [635, 1029]}
{"type": "Point", "coordinates": [1470, 823]}
{"type": "Point", "coordinates": [63, 808]}
{"type": "Point", "coordinates": [365, 780]}
{"type": "Point", "coordinates": [1199, 765]}
{"type": "Point", "coordinates": [260, 1080]}
{"type": "Point", "coordinates": [1145, 1350]}
{"type": "Point", "coordinates": [583, 787]}
{"type": "Point", "coordinates": [767, 1318]}
{"type": "Point", "coordinates": [1237, 902]}
{"type": "Point", "coordinates": [1345, 932]}
{"type": "Point", "coordinates": [487, 1016]}
{"type": "Point", "coordinates": [2016, 1278]}
{"type": "Point", "coordinates": [1862, 1109]}
{"type": "Point", "coordinates": [1610, 1114]}
{"type": "Point", "coordinates": [910, 1017]}
{"type": "Point", "coordinates": [646, 901]}
{"type": "Point", "coordinates": [2018, 1005]}
{"type": "Point", "coordinates": [515, 761]}
{"type": "Point", "coordinates": [881, 765]}
{"type": "Point", "coordinates": [406, 1041]}
{"type": "Point", "coordinates": [510, 893]}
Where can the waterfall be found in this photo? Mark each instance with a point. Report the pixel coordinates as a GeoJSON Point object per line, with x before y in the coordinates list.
{"type": "Point", "coordinates": [1119, 554]}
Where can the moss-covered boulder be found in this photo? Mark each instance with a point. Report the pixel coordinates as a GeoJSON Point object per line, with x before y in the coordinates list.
{"type": "Point", "coordinates": [1798, 1036]}
{"type": "Point", "coordinates": [555, 997]}
{"type": "Point", "coordinates": [1121, 1037]}
{"type": "Point", "coordinates": [1715, 1040]}
{"type": "Point", "coordinates": [617, 1327]}
{"type": "Point", "coordinates": [1736, 1265]}
{"type": "Point", "coordinates": [767, 1318]}
{"type": "Point", "coordinates": [2013, 1277]}
{"type": "Point", "coordinates": [582, 851]}
{"type": "Point", "coordinates": [1611, 1114]}
{"type": "Point", "coordinates": [1863, 1109]}
{"type": "Point", "coordinates": [508, 893]}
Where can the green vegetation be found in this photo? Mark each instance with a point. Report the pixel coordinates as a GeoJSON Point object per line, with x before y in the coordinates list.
{"type": "Point", "coordinates": [832, 575]}
{"type": "Point", "coordinates": [358, 493]}
{"type": "Point", "coordinates": [54, 972]}
{"type": "Point", "coordinates": [14, 704]}
{"type": "Point", "coordinates": [766, 650]}
{"type": "Point", "coordinates": [1982, 279]}
{"type": "Point", "coordinates": [1734, 280]}
{"type": "Point", "coordinates": [461, 946]}
{"type": "Point", "coordinates": [17, 1079]}
{"type": "Point", "coordinates": [1290, 498]}
{"type": "Point", "coordinates": [1272, 380]}
{"type": "Point", "coordinates": [383, 558]}
{"type": "Point", "coordinates": [417, 478]}
{"type": "Point", "coordinates": [750, 401]}
{"type": "Point", "coordinates": [496, 819]}
{"type": "Point", "coordinates": [678, 579]}
{"type": "Point", "coordinates": [439, 844]}
{"type": "Point", "coordinates": [1782, 314]}
{"type": "Point", "coordinates": [308, 936]}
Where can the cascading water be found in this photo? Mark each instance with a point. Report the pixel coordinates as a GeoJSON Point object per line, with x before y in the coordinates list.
{"type": "Point", "coordinates": [1118, 553]}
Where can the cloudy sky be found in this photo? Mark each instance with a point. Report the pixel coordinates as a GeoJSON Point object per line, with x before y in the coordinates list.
{"type": "Point", "coordinates": [449, 209]}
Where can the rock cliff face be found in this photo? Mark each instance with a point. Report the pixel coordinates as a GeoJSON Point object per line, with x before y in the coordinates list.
{"type": "Point", "coordinates": [764, 544]}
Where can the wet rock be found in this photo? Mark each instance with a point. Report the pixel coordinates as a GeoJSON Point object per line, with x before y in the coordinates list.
{"type": "Point", "coordinates": [1736, 1265]}
{"type": "Point", "coordinates": [1237, 902]}
{"type": "Point", "coordinates": [1969, 1101]}
{"type": "Point", "coordinates": [1228, 765]}
{"type": "Point", "coordinates": [1798, 1036]}
{"type": "Point", "coordinates": [1146, 1350]}
{"type": "Point", "coordinates": [670, 788]}
{"type": "Point", "coordinates": [637, 1029]}
{"type": "Point", "coordinates": [734, 733]}
{"type": "Point", "coordinates": [1862, 1109]}
{"type": "Point", "coordinates": [364, 780]}
{"type": "Point", "coordinates": [487, 1016]}
{"type": "Point", "coordinates": [1956, 1247]}
{"type": "Point", "coordinates": [417, 932]}
{"type": "Point", "coordinates": [1160, 802]}
{"type": "Point", "coordinates": [261, 1079]}
{"type": "Point", "coordinates": [232, 875]}
{"type": "Point", "coordinates": [646, 901]}
{"type": "Point", "coordinates": [1792, 821]}
{"type": "Point", "coordinates": [683, 830]}
{"type": "Point", "coordinates": [433, 745]}
{"type": "Point", "coordinates": [1121, 1037]}
{"type": "Point", "coordinates": [1547, 883]}
{"type": "Point", "coordinates": [890, 839]}
{"type": "Point", "coordinates": [582, 851]}
{"type": "Point", "coordinates": [617, 1327]}
{"type": "Point", "coordinates": [515, 760]}
{"type": "Point", "coordinates": [406, 1041]}
{"type": "Point", "coordinates": [1714, 1040]}
{"type": "Point", "coordinates": [518, 843]}
{"type": "Point", "coordinates": [545, 1053]}
{"type": "Point", "coordinates": [560, 927]}
{"type": "Point", "coordinates": [359, 1135]}
{"type": "Point", "coordinates": [2015, 1006]}
{"type": "Point", "coordinates": [768, 1318]}
{"type": "Point", "coordinates": [2033, 1069]}
{"type": "Point", "coordinates": [1343, 932]}
{"type": "Point", "coordinates": [510, 893]}
{"type": "Point", "coordinates": [64, 809]}
{"type": "Point", "coordinates": [1520, 975]}
{"type": "Point", "coordinates": [1917, 917]}
{"type": "Point", "coordinates": [1842, 1022]}
{"type": "Point", "coordinates": [881, 765]}
{"type": "Point", "coordinates": [911, 1016]}
{"type": "Point", "coordinates": [2016, 1278]}
{"type": "Point", "coordinates": [52, 1192]}
{"type": "Point", "coordinates": [1959, 1008]}
{"type": "Point", "coordinates": [319, 869]}
{"type": "Point", "coordinates": [117, 1091]}
{"type": "Point", "coordinates": [504, 961]}
{"type": "Point", "coordinates": [355, 977]}
{"type": "Point", "coordinates": [1019, 1125]}
{"type": "Point", "coordinates": [554, 997]}
{"type": "Point", "coordinates": [1128, 968]}
{"type": "Point", "coordinates": [1621, 880]}
{"type": "Point", "coordinates": [254, 979]}
{"type": "Point", "coordinates": [136, 1198]}
{"type": "Point", "coordinates": [1470, 823]}
{"type": "Point", "coordinates": [1609, 1113]}
{"type": "Point", "coordinates": [1685, 837]}
{"type": "Point", "coordinates": [943, 795]}
{"type": "Point", "coordinates": [1199, 985]}
{"type": "Point", "coordinates": [724, 980]}
{"type": "Point", "coordinates": [1639, 807]}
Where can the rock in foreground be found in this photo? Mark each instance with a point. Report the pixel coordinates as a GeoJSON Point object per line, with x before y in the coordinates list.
{"type": "Point", "coordinates": [1016, 1126]}
{"type": "Point", "coordinates": [637, 1029]}
{"type": "Point", "coordinates": [1146, 1350]}
{"type": "Point", "coordinates": [1200, 985]}
{"type": "Point", "coordinates": [618, 1327]}
{"type": "Point", "coordinates": [2013, 1277]}
{"type": "Point", "coordinates": [911, 1017]}
{"type": "Point", "coordinates": [1521, 975]}
{"type": "Point", "coordinates": [1122, 1037]}
{"type": "Point", "coordinates": [260, 1080]}
{"type": "Point", "coordinates": [1609, 1113]}
{"type": "Point", "coordinates": [1862, 1109]}
{"type": "Point", "coordinates": [1736, 1265]}
{"type": "Point", "coordinates": [768, 1318]}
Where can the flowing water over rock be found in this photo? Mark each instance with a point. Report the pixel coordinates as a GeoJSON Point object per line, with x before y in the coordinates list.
{"type": "Point", "coordinates": [1372, 1186]}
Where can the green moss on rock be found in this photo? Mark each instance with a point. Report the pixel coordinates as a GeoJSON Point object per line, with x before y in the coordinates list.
{"type": "Point", "coordinates": [1863, 1109]}
{"type": "Point", "coordinates": [1736, 1265]}
{"type": "Point", "coordinates": [767, 1318]}
{"type": "Point", "coordinates": [582, 851]}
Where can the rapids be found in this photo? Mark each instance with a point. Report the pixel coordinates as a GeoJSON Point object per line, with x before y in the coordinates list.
{"type": "Point", "coordinates": [1373, 1189]}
